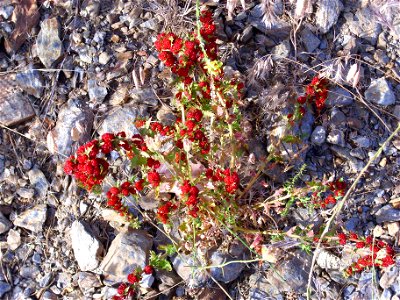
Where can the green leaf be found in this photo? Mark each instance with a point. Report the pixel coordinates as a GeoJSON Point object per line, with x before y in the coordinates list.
{"type": "Point", "coordinates": [158, 262]}
{"type": "Point", "coordinates": [292, 139]}
{"type": "Point", "coordinates": [168, 249]}
{"type": "Point", "coordinates": [138, 160]}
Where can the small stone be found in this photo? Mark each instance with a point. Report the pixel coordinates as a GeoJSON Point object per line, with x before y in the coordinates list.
{"type": "Point", "coordinates": [362, 141]}
{"type": "Point", "coordinates": [147, 281]}
{"type": "Point", "coordinates": [227, 273]}
{"type": "Point", "coordinates": [91, 8]}
{"type": "Point", "coordinates": [120, 119]}
{"type": "Point", "coordinates": [387, 214]}
{"type": "Point", "coordinates": [39, 182]}
{"type": "Point", "coordinates": [33, 218]}
{"type": "Point", "coordinates": [380, 92]}
{"type": "Point", "coordinates": [48, 43]}
{"type": "Point", "coordinates": [166, 116]}
{"type": "Point", "coordinates": [194, 277]}
{"type": "Point", "coordinates": [49, 295]}
{"type": "Point", "coordinates": [96, 93]}
{"type": "Point", "coordinates": [104, 58]}
{"type": "Point", "coordinates": [363, 26]}
{"type": "Point", "coordinates": [310, 41]}
{"type": "Point", "coordinates": [15, 109]}
{"type": "Point", "coordinates": [128, 250]}
{"type": "Point", "coordinates": [389, 277]}
{"type": "Point", "coordinates": [120, 95]}
{"type": "Point", "coordinates": [318, 136]}
{"type": "Point", "coordinates": [282, 50]}
{"type": "Point", "coordinates": [6, 12]}
{"type": "Point", "coordinates": [13, 239]}
{"type": "Point", "coordinates": [87, 249]}
{"type": "Point", "coordinates": [336, 137]}
{"type": "Point", "coordinates": [327, 14]}
{"type": "Point", "coordinates": [26, 193]}
{"type": "Point", "coordinates": [5, 224]}
{"type": "Point", "coordinates": [396, 111]}
{"type": "Point", "coordinates": [144, 96]}
{"type": "Point", "coordinates": [337, 117]}
{"type": "Point", "coordinates": [393, 228]}
{"type": "Point", "coordinates": [152, 24]}
{"type": "Point", "coordinates": [71, 118]}
{"type": "Point", "coordinates": [88, 281]}
{"type": "Point", "coordinates": [4, 288]}
{"type": "Point", "coordinates": [31, 82]}
{"type": "Point", "coordinates": [378, 231]}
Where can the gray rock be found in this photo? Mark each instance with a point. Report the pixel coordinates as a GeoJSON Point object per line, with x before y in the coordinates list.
{"type": "Point", "coordinates": [6, 12]}
{"type": "Point", "coordinates": [355, 164]}
{"type": "Point", "coordinates": [310, 41]}
{"type": "Point", "coordinates": [5, 224]}
{"type": "Point", "coordinates": [144, 96]}
{"type": "Point", "coordinates": [74, 124]}
{"type": "Point", "coordinates": [31, 81]}
{"type": "Point", "coordinates": [26, 193]}
{"type": "Point", "coordinates": [48, 43]}
{"type": "Point", "coordinates": [390, 277]}
{"type": "Point", "coordinates": [365, 26]}
{"type": "Point", "coordinates": [87, 248]}
{"type": "Point", "coordinates": [187, 267]}
{"type": "Point", "coordinates": [4, 288]}
{"type": "Point", "coordinates": [88, 282]}
{"type": "Point", "coordinates": [15, 109]}
{"type": "Point", "coordinates": [39, 182]}
{"type": "Point", "coordinates": [327, 14]}
{"type": "Point", "coordinates": [282, 50]}
{"type": "Point", "coordinates": [366, 288]}
{"type": "Point", "coordinates": [337, 118]}
{"type": "Point", "coordinates": [319, 135]}
{"type": "Point", "coordinates": [128, 250]}
{"type": "Point", "coordinates": [33, 218]}
{"type": "Point", "coordinates": [120, 119]}
{"type": "Point", "coordinates": [339, 97]}
{"type": "Point", "coordinates": [96, 93]}
{"type": "Point", "coordinates": [166, 116]}
{"type": "Point", "coordinates": [336, 137]}
{"type": "Point", "coordinates": [387, 214]}
{"type": "Point", "coordinates": [227, 273]}
{"type": "Point", "coordinates": [274, 27]}
{"type": "Point", "coordinates": [120, 95]}
{"type": "Point", "coordinates": [362, 141]}
{"type": "Point", "coordinates": [49, 295]}
{"type": "Point", "coordinates": [13, 239]}
{"type": "Point", "coordinates": [90, 8]}
{"type": "Point", "coordinates": [380, 92]}
{"type": "Point", "coordinates": [290, 275]}
{"type": "Point", "coordinates": [152, 24]}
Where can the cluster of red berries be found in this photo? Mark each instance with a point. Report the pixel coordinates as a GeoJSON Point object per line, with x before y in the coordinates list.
{"type": "Point", "coordinates": [381, 254]}
{"type": "Point", "coordinates": [182, 55]}
{"type": "Point", "coordinates": [164, 210]}
{"type": "Point", "coordinates": [335, 189]}
{"type": "Point", "coordinates": [229, 178]}
{"type": "Point", "coordinates": [115, 194]}
{"type": "Point", "coordinates": [128, 290]}
{"type": "Point", "coordinates": [191, 194]}
{"type": "Point", "coordinates": [315, 93]}
{"type": "Point", "coordinates": [193, 130]}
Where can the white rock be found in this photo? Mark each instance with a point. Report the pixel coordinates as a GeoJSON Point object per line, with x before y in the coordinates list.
{"type": "Point", "coordinates": [380, 92]}
{"type": "Point", "coordinates": [327, 14]}
{"type": "Point", "coordinates": [13, 239]}
{"type": "Point", "coordinates": [87, 249]}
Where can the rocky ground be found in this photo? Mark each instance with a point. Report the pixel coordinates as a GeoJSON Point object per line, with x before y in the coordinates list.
{"type": "Point", "coordinates": [71, 70]}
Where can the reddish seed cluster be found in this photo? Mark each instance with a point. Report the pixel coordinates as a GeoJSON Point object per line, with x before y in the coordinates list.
{"type": "Point", "coordinates": [115, 194]}
{"type": "Point", "coordinates": [191, 194]}
{"type": "Point", "coordinates": [315, 93]}
{"type": "Point", "coordinates": [128, 290]}
{"type": "Point", "coordinates": [193, 131]}
{"type": "Point", "coordinates": [380, 253]}
{"type": "Point", "coordinates": [335, 189]}
{"type": "Point", "coordinates": [164, 210]}
{"type": "Point", "coordinates": [229, 179]}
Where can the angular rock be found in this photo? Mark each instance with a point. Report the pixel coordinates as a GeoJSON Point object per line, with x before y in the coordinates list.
{"type": "Point", "coordinates": [88, 281]}
{"type": "Point", "coordinates": [387, 214]}
{"type": "Point", "coordinates": [5, 224]}
{"type": "Point", "coordinates": [48, 43]}
{"type": "Point", "coordinates": [390, 277]}
{"type": "Point", "coordinates": [282, 50]}
{"type": "Point", "coordinates": [339, 97]}
{"type": "Point", "coordinates": [26, 193]}
{"type": "Point", "coordinates": [310, 41]}
{"type": "Point", "coordinates": [380, 92]}
{"type": "Point", "coordinates": [120, 119]}
{"type": "Point", "coordinates": [128, 250]}
{"type": "Point", "coordinates": [31, 81]}
{"type": "Point", "coordinates": [33, 218]}
{"type": "Point", "coordinates": [39, 182]}
{"type": "Point", "coordinates": [336, 137]}
{"type": "Point", "coordinates": [4, 288]}
{"type": "Point", "coordinates": [13, 239]}
{"type": "Point", "coordinates": [87, 248]}
{"type": "Point", "coordinates": [96, 93]}
{"type": "Point", "coordinates": [74, 124]}
{"type": "Point", "coordinates": [364, 26]}
{"type": "Point", "coordinates": [185, 266]}
{"type": "Point", "coordinates": [120, 95]}
{"type": "Point", "coordinates": [327, 14]}
{"type": "Point", "coordinates": [15, 109]}
{"type": "Point", "coordinates": [290, 275]}
{"type": "Point", "coordinates": [144, 96]}
{"type": "Point", "coordinates": [228, 273]}
{"type": "Point", "coordinates": [318, 136]}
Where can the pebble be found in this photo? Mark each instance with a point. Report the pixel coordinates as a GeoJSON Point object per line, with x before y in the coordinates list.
{"type": "Point", "coordinates": [336, 137]}
{"type": "Point", "coordinates": [87, 248]}
{"type": "Point", "coordinates": [6, 12]}
{"type": "Point", "coordinates": [380, 92]}
{"type": "Point", "coordinates": [33, 218]}
{"type": "Point", "coordinates": [26, 193]}
{"type": "Point", "coordinates": [227, 273]}
{"type": "Point", "coordinates": [15, 109]}
{"type": "Point", "coordinates": [96, 93]}
{"type": "Point", "coordinates": [387, 214]}
{"type": "Point", "coordinates": [327, 14]}
{"type": "Point", "coordinates": [194, 277]}
{"type": "Point", "coordinates": [39, 182]}
{"type": "Point", "coordinates": [378, 231]}
{"type": "Point", "coordinates": [363, 26]}
{"type": "Point", "coordinates": [362, 141]}
{"type": "Point", "coordinates": [152, 24]}
{"type": "Point", "coordinates": [88, 281]}
{"type": "Point", "coordinates": [4, 288]}
{"type": "Point", "coordinates": [120, 95]}
{"type": "Point", "coordinates": [13, 239]}
{"type": "Point", "coordinates": [104, 58]}
{"type": "Point", "coordinates": [128, 250]}
{"type": "Point", "coordinates": [120, 119]}
{"type": "Point", "coordinates": [393, 228]}
{"type": "Point", "coordinates": [310, 41]}
{"type": "Point", "coordinates": [337, 117]}
{"type": "Point", "coordinates": [48, 43]}
{"type": "Point", "coordinates": [5, 224]}
{"type": "Point", "coordinates": [31, 81]}
{"type": "Point", "coordinates": [318, 136]}
{"type": "Point", "coordinates": [282, 50]}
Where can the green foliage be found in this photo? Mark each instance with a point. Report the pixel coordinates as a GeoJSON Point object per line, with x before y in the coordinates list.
{"type": "Point", "coordinates": [159, 262]}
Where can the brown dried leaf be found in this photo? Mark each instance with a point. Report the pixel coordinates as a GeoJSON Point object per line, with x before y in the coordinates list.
{"type": "Point", "coordinates": [25, 16]}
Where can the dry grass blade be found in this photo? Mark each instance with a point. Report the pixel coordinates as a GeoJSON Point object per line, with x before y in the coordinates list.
{"type": "Point", "coordinates": [340, 205]}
